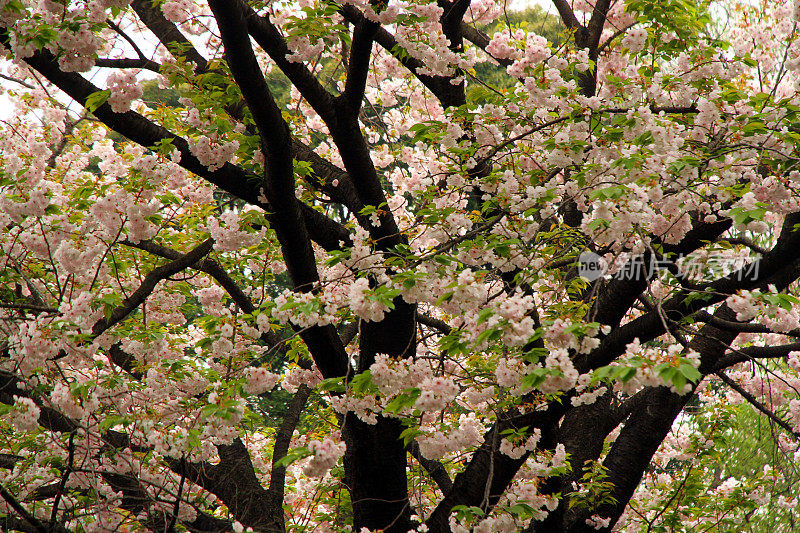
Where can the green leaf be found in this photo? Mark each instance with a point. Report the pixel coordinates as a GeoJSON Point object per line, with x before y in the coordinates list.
{"type": "Point", "coordinates": [468, 512]}
{"type": "Point", "coordinates": [626, 373]}
{"type": "Point", "coordinates": [484, 314]}
{"type": "Point", "coordinates": [110, 421]}
{"type": "Point", "coordinates": [522, 510]}
{"type": "Point", "coordinates": [293, 455]}
{"type": "Point", "coordinates": [335, 385]}
{"type": "Point", "coordinates": [690, 372]}
{"type": "Point", "coordinates": [785, 301]}
{"type": "Point", "coordinates": [362, 383]}
{"type": "Point", "coordinates": [535, 377]}
{"type": "Point", "coordinates": [405, 399]}
{"type": "Point", "coordinates": [96, 99]}
{"type": "Point", "coordinates": [409, 434]}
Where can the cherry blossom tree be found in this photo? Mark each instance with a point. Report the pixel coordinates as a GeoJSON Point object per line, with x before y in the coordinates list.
{"type": "Point", "coordinates": [338, 280]}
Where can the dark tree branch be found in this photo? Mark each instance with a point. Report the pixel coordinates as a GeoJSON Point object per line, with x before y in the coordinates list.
{"type": "Point", "coordinates": [206, 265]}
{"type": "Point", "coordinates": [452, 21]}
{"type": "Point", "coordinates": [234, 481]}
{"type": "Point", "coordinates": [617, 295]}
{"type": "Point", "coordinates": [144, 62]}
{"type": "Point", "coordinates": [587, 37]}
{"type": "Point", "coordinates": [29, 307]}
{"type": "Point", "coordinates": [629, 405]}
{"type": "Point", "coordinates": [583, 432]}
{"type": "Point", "coordinates": [342, 123]}
{"type": "Point", "coordinates": [323, 176]}
{"type": "Point", "coordinates": [358, 65]}
{"type": "Point", "coordinates": [283, 438]}
{"type": "Point", "coordinates": [64, 476]}
{"type": "Point", "coordinates": [633, 449]}
{"type": "Point", "coordinates": [434, 468]}
{"type": "Point", "coordinates": [149, 284]}
{"type": "Point", "coordinates": [45, 492]}
{"type": "Point", "coordinates": [135, 499]}
{"type": "Point", "coordinates": [348, 332]}
{"type": "Point", "coordinates": [326, 232]}
{"type": "Point", "coordinates": [272, 42]}
{"type": "Point", "coordinates": [436, 84]}
{"type": "Point", "coordinates": [481, 40]}
{"type": "Point", "coordinates": [20, 509]}
{"type": "Point", "coordinates": [605, 44]}
{"type": "Point", "coordinates": [7, 460]}
{"type": "Point", "coordinates": [567, 15]}
{"type": "Point", "coordinates": [435, 323]}
{"type": "Point", "coordinates": [12, 523]}
{"type": "Point", "coordinates": [213, 269]}
{"type": "Point", "coordinates": [741, 327]}
{"type": "Point", "coordinates": [676, 110]}
{"type": "Point", "coordinates": [749, 353]}
{"type": "Point", "coordinates": [168, 33]}
{"type": "Point", "coordinates": [127, 38]}
{"type": "Point", "coordinates": [755, 403]}
{"type": "Point", "coordinates": [595, 26]}
{"type": "Point", "coordinates": [59, 149]}
{"type": "Point", "coordinates": [279, 185]}
{"type": "Point", "coordinates": [128, 63]}
{"type": "Point", "coordinates": [15, 80]}
{"type": "Point", "coordinates": [276, 142]}
{"type": "Point", "coordinates": [747, 242]}
{"type": "Point", "coordinates": [650, 420]}
{"type": "Point", "coordinates": [491, 468]}
{"type": "Point", "coordinates": [145, 289]}
{"type": "Point", "coordinates": [176, 508]}
{"type": "Point", "coordinates": [49, 418]}
{"type": "Point", "coordinates": [780, 266]}
{"type": "Point", "coordinates": [652, 414]}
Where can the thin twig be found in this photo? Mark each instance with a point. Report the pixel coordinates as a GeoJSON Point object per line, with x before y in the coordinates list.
{"type": "Point", "coordinates": [755, 403]}
{"type": "Point", "coordinates": [29, 307]}
{"type": "Point", "coordinates": [171, 526]}
{"type": "Point", "coordinates": [32, 520]}
{"type": "Point", "coordinates": [125, 36]}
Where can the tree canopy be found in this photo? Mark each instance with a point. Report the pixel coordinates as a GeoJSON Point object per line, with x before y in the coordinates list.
{"type": "Point", "coordinates": [404, 265]}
